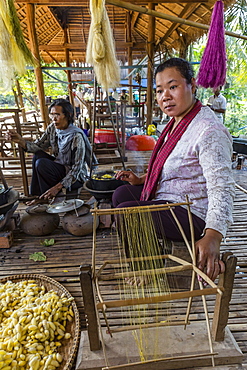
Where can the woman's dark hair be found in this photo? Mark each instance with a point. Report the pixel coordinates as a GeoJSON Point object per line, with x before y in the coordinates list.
{"type": "Point", "coordinates": [68, 109]}
{"type": "Point", "coordinates": [182, 65]}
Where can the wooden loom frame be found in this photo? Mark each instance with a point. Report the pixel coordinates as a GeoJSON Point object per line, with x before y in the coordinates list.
{"type": "Point", "coordinates": [90, 280]}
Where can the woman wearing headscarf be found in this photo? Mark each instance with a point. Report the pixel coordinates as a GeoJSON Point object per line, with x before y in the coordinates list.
{"type": "Point", "coordinates": [67, 166]}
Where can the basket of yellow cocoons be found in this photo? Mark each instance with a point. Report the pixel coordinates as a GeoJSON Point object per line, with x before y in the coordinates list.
{"type": "Point", "coordinates": [39, 324]}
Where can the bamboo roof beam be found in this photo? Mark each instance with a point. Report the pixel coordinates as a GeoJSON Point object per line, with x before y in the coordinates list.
{"type": "Point", "coordinates": [82, 27]}
{"type": "Point", "coordinates": [134, 17]}
{"type": "Point", "coordinates": [53, 58]}
{"type": "Point", "coordinates": [185, 12]}
{"type": "Point", "coordinates": [154, 13]}
{"type": "Point", "coordinates": [82, 47]}
{"type": "Point", "coordinates": [76, 3]}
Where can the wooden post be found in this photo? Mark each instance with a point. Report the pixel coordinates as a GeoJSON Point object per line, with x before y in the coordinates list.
{"type": "Point", "coordinates": [129, 39]}
{"type": "Point", "coordinates": [89, 307]}
{"type": "Point", "coordinates": [16, 98]}
{"type": "Point", "coordinates": [150, 53]}
{"type": "Point", "coordinates": [221, 310]}
{"type": "Point", "coordinates": [22, 157]}
{"type": "Point", "coordinates": [38, 71]}
{"type": "Point", "coordinates": [71, 97]}
{"type": "Point", "coordinates": [20, 99]}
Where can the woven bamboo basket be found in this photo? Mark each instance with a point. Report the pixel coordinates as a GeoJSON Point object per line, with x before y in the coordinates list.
{"type": "Point", "coordinates": [69, 347]}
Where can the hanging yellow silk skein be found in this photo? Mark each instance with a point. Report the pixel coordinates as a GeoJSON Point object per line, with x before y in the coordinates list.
{"type": "Point", "coordinates": [14, 53]}
{"type": "Point", "coordinates": [101, 48]}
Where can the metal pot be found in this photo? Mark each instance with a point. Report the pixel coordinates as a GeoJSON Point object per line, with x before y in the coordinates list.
{"type": "Point", "coordinates": [79, 222]}
{"type": "Point", "coordinates": [11, 196]}
{"type": "Point", "coordinates": [98, 194]}
{"type": "Point", "coordinates": [106, 184]}
{"type": "Point", "coordinates": [4, 218]}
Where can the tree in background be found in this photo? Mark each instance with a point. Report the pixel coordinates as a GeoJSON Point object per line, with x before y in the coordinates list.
{"type": "Point", "coordinates": [53, 88]}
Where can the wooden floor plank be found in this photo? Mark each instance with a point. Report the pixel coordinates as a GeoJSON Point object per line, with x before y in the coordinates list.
{"type": "Point", "coordinates": [69, 252]}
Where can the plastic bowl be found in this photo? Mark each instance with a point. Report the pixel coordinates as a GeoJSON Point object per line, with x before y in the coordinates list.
{"type": "Point", "coordinates": [140, 143]}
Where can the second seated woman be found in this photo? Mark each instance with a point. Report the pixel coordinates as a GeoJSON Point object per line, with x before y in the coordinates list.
{"type": "Point", "coordinates": [67, 166]}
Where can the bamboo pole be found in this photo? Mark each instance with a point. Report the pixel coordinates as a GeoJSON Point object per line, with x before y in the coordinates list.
{"type": "Point", "coordinates": [149, 325]}
{"type": "Point", "coordinates": [151, 362]}
{"type": "Point", "coordinates": [94, 244]}
{"type": "Point", "coordinates": [150, 73]}
{"type": "Point", "coordinates": [207, 324]}
{"type": "Point", "coordinates": [38, 71]}
{"type": "Point", "coordinates": [154, 13]}
{"type": "Point", "coordinates": [130, 259]}
{"type": "Point", "coordinates": [193, 278]}
{"type": "Point", "coordinates": [71, 97]}
{"type": "Point", "coordinates": [152, 208]}
{"type": "Point", "coordinates": [21, 154]}
{"type": "Point", "coordinates": [20, 99]}
{"type": "Point", "coordinates": [164, 270]}
{"type": "Point", "coordinates": [199, 272]}
{"type": "Point", "coordinates": [96, 282]}
{"type": "Point", "coordinates": [16, 98]}
{"type": "Point", "coordinates": [155, 299]}
{"type": "Point", "coordinates": [182, 232]}
{"type": "Point", "coordinates": [130, 60]}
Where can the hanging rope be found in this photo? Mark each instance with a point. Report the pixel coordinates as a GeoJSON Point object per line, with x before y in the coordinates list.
{"type": "Point", "coordinates": [212, 72]}
{"type": "Point", "coordinates": [101, 47]}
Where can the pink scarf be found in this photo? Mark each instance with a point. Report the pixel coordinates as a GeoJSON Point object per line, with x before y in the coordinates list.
{"type": "Point", "coordinates": [163, 149]}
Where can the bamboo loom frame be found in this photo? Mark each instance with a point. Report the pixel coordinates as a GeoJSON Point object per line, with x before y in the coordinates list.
{"type": "Point", "coordinates": [182, 266]}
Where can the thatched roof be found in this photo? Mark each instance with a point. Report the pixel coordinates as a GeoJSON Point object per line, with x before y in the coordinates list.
{"type": "Point", "coordinates": [55, 18]}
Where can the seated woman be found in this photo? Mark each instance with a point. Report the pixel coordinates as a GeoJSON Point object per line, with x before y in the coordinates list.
{"type": "Point", "coordinates": [71, 153]}
{"type": "Point", "coordinates": [192, 157]}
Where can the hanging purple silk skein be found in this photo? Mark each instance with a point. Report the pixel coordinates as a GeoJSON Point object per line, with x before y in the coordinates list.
{"type": "Point", "coordinates": [212, 72]}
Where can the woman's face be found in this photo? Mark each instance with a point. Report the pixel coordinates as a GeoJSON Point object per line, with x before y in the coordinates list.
{"type": "Point", "coordinates": [58, 117]}
{"type": "Point", "coordinates": [174, 95]}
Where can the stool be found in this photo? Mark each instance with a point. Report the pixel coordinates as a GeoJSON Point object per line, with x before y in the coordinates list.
{"type": "Point", "coordinates": [181, 280]}
{"type": "Point", "coordinates": [6, 239]}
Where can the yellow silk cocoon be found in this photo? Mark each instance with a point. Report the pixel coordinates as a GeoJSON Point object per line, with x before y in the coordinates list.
{"type": "Point", "coordinates": [101, 47]}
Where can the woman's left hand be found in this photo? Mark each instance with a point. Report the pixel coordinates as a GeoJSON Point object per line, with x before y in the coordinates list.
{"type": "Point", "coordinates": [52, 192]}
{"type": "Point", "coordinates": [208, 254]}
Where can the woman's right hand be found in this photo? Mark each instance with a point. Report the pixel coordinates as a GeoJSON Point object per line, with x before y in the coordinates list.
{"type": "Point", "coordinates": [12, 135]}
{"type": "Point", "coordinates": [131, 177]}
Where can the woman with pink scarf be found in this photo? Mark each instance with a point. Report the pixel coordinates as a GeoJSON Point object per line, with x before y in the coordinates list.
{"type": "Point", "coordinates": [192, 157]}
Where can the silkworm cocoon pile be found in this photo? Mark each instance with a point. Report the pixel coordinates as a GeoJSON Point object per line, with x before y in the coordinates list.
{"type": "Point", "coordinates": [32, 325]}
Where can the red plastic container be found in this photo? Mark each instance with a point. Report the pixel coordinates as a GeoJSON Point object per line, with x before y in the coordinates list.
{"type": "Point", "coordinates": [105, 136]}
{"type": "Point", "coordinates": [140, 143]}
